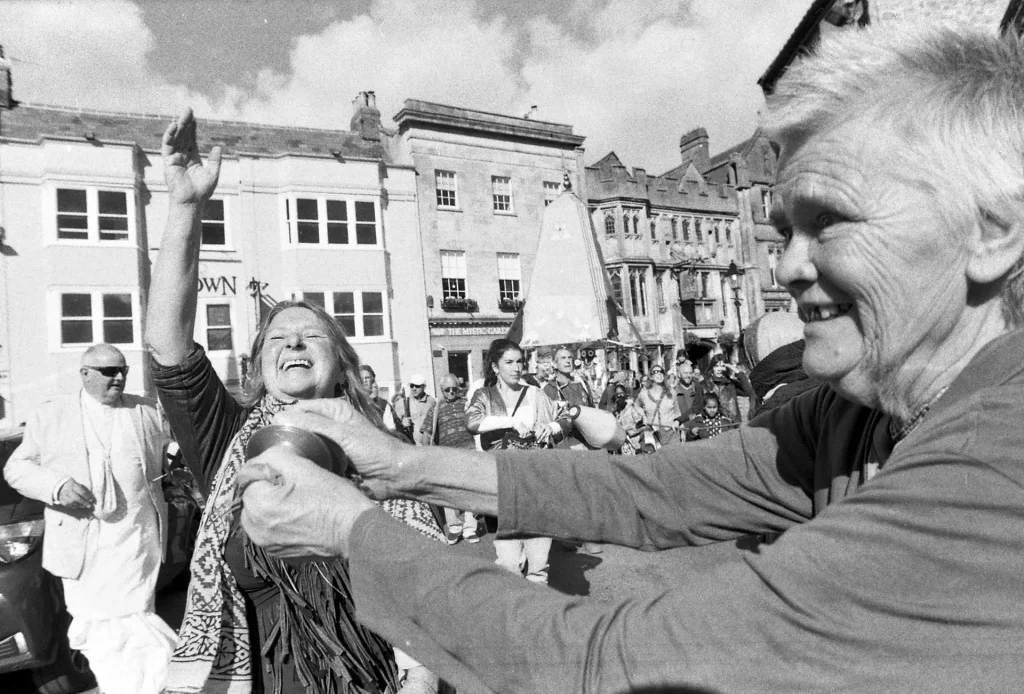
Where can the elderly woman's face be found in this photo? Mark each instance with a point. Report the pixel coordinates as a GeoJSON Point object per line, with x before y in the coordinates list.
{"type": "Point", "coordinates": [877, 273]}
{"type": "Point", "coordinates": [298, 358]}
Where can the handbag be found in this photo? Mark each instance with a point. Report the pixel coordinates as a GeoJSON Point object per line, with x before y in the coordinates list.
{"type": "Point", "coordinates": [511, 440]}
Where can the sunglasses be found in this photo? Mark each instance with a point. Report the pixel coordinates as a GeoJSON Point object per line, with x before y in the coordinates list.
{"type": "Point", "coordinates": [450, 390]}
{"type": "Point", "coordinates": [109, 371]}
{"type": "Point", "coordinates": [416, 385]}
{"type": "Point", "coordinates": [657, 371]}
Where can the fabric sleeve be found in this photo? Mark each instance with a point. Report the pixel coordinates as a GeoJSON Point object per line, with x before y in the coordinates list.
{"type": "Point", "coordinates": [24, 472]}
{"type": "Point", "coordinates": [875, 594]}
{"type": "Point", "coordinates": [735, 484]}
{"type": "Point", "coordinates": [202, 414]}
{"type": "Point", "coordinates": [479, 408]}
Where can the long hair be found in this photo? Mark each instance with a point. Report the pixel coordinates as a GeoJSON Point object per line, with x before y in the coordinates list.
{"type": "Point", "coordinates": [348, 360]}
{"type": "Point", "coordinates": [494, 354]}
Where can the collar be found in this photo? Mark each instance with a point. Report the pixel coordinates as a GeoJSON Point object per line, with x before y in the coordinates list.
{"type": "Point", "coordinates": [94, 405]}
{"type": "Point", "coordinates": [898, 433]}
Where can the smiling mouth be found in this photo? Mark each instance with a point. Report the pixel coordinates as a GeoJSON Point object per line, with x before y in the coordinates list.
{"type": "Point", "coordinates": [297, 364]}
{"type": "Point", "coordinates": [816, 314]}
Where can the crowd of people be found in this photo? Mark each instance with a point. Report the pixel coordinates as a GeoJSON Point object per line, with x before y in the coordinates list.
{"type": "Point", "coordinates": [878, 440]}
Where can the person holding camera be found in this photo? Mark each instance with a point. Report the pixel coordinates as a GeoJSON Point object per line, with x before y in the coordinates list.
{"type": "Point", "coordinates": [728, 383]}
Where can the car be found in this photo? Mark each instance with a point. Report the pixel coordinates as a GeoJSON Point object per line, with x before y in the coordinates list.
{"type": "Point", "coordinates": [33, 619]}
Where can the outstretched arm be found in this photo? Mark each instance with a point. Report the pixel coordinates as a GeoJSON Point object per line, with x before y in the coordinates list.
{"type": "Point", "coordinates": [173, 290]}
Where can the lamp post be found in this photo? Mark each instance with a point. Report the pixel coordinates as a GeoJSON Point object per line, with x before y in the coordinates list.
{"type": "Point", "coordinates": [734, 274]}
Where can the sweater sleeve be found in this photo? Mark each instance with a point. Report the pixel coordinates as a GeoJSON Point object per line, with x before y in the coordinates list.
{"type": "Point", "coordinates": [735, 484]}
{"type": "Point", "coordinates": [202, 414]}
{"type": "Point", "coordinates": [910, 585]}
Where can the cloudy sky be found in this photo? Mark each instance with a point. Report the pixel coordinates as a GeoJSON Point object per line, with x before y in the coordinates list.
{"type": "Point", "coordinates": [631, 75]}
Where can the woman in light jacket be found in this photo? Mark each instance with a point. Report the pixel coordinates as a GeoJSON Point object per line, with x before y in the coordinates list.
{"type": "Point", "coordinates": [507, 405]}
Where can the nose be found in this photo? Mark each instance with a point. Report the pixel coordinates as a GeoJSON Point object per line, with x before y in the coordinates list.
{"type": "Point", "coordinates": [796, 267]}
{"type": "Point", "coordinates": [295, 341]}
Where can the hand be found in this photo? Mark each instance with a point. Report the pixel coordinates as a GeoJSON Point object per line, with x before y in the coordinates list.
{"type": "Point", "coordinates": [520, 428]}
{"type": "Point", "coordinates": [379, 458]}
{"type": "Point", "coordinates": [295, 509]}
{"type": "Point", "coordinates": [544, 433]}
{"type": "Point", "coordinates": [406, 421]}
{"type": "Point", "coordinates": [188, 181]}
{"type": "Point", "coordinates": [75, 495]}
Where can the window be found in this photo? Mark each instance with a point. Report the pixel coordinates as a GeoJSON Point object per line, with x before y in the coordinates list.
{"type": "Point", "coordinates": [509, 277]}
{"type": "Point", "coordinates": [686, 229]}
{"type": "Point", "coordinates": [360, 314]}
{"type": "Point", "coordinates": [774, 253]}
{"type": "Point", "coordinates": [659, 282]}
{"type": "Point", "coordinates": [447, 193]}
{"type": "Point", "coordinates": [93, 215]}
{"type": "Point", "coordinates": [698, 226]}
{"type": "Point", "coordinates": [501, 193]}
{"type": "Point", "coordinates": [654, 230]}
{"type": "Point", "coordinates": [675, 229]}
{"type": "Point", "coordinates": [218, 327]}
{"type": "Point", "coordinates": [718, 228]}
{"type": "Point", "coordinates": [551, 191]}
{"type": "Point", "coordinates": [609, 225]}
{"type": "Point", "coordinates": [453, 275]}
{"type": "Point", "coordinates": [213, 233]}
{"type": "Point", "coordinates": [705, 281]}
{"type": "Point", "coordinates": [766, 203]}
{"type": "Point", "coordinates": [87, 317]}
{"type": "Point", "coordinates": [615, 278]}
{"type": "Point", "coordinates": [638, 290]}
{"type": "Point", "coordinates": [322, 221]}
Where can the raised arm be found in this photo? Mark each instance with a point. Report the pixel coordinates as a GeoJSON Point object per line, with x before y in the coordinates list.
{"type": "Point", "coordinates": [171, 312]}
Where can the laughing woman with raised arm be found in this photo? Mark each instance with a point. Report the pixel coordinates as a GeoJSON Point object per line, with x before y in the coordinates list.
{"type": "Point", "coordinates": [252, 623]}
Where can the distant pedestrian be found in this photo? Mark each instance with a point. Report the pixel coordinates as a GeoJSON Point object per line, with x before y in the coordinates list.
{"type": "Point", "coordinates": [387, 412]}
{"type": "Point", "coordinates": [412, 408]}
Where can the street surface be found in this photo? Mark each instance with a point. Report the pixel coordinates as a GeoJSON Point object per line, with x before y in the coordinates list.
{"type": "Point", "coordinates": [615, 573]}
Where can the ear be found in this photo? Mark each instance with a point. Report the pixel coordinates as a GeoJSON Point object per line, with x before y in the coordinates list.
{"type": "Point", "coordinates": [995, 247]}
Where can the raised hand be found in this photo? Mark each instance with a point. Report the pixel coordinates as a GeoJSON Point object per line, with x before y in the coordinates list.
{"type": "Point", "coordinates": [189, 182]}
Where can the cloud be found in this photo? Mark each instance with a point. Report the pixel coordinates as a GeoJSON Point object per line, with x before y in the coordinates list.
{"type": "Point", "coordinates": [632, 76]}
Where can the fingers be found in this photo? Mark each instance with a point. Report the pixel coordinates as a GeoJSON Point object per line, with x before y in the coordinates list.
{"type": "Point", "coordinates": [213, 162]}
{"type": "Point", "coordinates": [257, 472]}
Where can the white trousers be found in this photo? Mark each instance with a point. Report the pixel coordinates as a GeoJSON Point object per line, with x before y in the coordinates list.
{"type": "Point", "coordinates": [128, 655]}
{"type": "Point", "coordinates": [531, 554]}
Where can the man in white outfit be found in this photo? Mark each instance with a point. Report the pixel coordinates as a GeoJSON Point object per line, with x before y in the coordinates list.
{"type": "Point", "coordinates": [96, 458]}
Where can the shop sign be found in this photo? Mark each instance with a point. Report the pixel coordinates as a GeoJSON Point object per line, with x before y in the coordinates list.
{"type": "Point", "coordinates": [467, 331]}
{"type": "Point", "coordinates": [218, 286]}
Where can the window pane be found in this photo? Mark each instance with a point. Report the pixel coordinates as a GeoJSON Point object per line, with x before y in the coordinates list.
{"type": "Point", "coordinates": [348, 324]}
{"type": "Point", "coordinates": [213, 211]}
{"type": "Point", "coordinates": [306, 208]}
{"type": "Point", "coordinates": [75, 332]}
{"type": "Point", "coordinates": [112, 202]}
{"type": "Point", "coordinates": [373, 302]}
{"type": "Point", "coordinates": [366, 234]}
{"type": "Point", "coordinates": [117, 305]}
{"type": "Point", "coordinates": [344, 302]}
{"type": "Point", "coordinates": [337, 210]}
{"type": "Point", "coordinates": [71, 200]}
{"type": "Point", "coordinates": [365, 212]}
{"type": "Point", "coordinates": [218, 339]}
{"type": "Point", "coordinates": [118, 332]}
{"type": "Point", "coordinates": [75, 305]}
{"type": "Point", "coordinates": [213, 234]}
{"type": "Point", "coordinates": [114, 224]}
{"type": "Point", "coordinates": [72, 227]}
{"type": "Point", "coordinates": [337, 232]}
{"type": "Point", "coordinates": [218, 315]}
{"type": "Point", "coordinates": [309, 232]}
{"type": "Point", "coordinates": [373, 326]}
{"type": "Point", "coordinates": [314, 298]}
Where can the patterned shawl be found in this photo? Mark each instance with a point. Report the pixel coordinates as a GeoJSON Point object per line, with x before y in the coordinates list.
{"type": "Point", "coordinates": [315, 626]}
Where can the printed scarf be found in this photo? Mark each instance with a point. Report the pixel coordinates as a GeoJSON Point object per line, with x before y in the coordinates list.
{"type": "Point", "coordinates": [315, 628]}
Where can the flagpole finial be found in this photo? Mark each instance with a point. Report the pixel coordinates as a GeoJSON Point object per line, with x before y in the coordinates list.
{"type": "Point", "coordinates": [566, 183]}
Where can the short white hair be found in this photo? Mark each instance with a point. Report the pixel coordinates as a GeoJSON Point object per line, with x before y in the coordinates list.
{"type": "Point", "coordinates": [953, 94]}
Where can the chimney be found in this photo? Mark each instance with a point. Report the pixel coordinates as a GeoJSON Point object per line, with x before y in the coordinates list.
{"type": "Point", "coordinates": [365, 116]}
{"type": "Point", "coordinates": [6, 96]}
{"type": "Point", "coordinates": [693, 147]}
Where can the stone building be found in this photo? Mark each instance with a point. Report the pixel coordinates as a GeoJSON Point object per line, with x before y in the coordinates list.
{"type": "Point", "coordinates": [669, 243]}
{"type": "Point", "coordinates": [483, 180]}
{"type": "Point", "coordinates": [325, 215]}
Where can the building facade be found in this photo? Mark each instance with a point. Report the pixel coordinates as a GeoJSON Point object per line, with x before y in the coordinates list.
{"type": "Point", "coordinates": [483, 180]}
{"type": "Point", "coordinates": [321, 215]}
{"type": "Point", "coordinates": [678, 253]}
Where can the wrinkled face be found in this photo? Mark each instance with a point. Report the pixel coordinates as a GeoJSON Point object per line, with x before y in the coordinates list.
{"type": "Point", "coordinates": [417, 390]}
{"type": "Point", "coordinates": [685, 372]}
{"type": "Point", "coordinates": [103, 375]}
{"type": "Point", "coordinates": [509, 367]}
{"type": "Point", "coordinates": [563, 361]}
{"type": "Point", "coordinates": [298, 358]}
{"type": "Point", "coordinates": [450, 389]}
{"type": "Point", "coordinates": [877, 274]}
